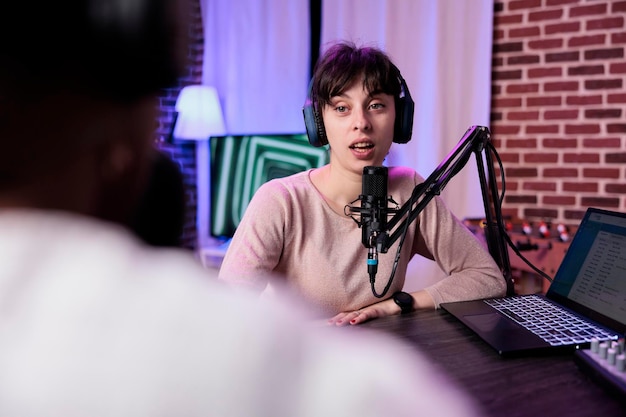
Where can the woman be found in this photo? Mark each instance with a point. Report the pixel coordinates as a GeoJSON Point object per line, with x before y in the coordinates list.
{"type": "Point", "coordinates": [295, 232]}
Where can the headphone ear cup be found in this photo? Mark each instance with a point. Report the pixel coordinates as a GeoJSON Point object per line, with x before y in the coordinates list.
{"type": "Point", "coordinates": [314, 125]}
{"type": "Point", "coordinates": [405, 110]}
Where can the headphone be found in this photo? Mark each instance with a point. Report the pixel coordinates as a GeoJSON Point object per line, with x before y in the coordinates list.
{"type": "Point", "coordinates": [403, 125]}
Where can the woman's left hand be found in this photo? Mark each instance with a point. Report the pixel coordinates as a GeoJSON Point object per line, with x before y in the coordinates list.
{"type": "Point", "coordinates": [380, 309]}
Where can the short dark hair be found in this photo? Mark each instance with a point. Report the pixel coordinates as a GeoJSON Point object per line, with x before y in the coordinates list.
{"type": "Point", "coordinates": [343, 62]}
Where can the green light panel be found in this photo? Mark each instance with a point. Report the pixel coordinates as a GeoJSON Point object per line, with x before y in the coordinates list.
{"type": "Point", "coordinates": [241, 164]}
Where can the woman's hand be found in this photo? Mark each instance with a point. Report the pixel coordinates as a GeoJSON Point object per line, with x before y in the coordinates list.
{"type": "Point", "coordinates": [380, 309]}
{"type": "Point", "coordinates": [421, 300]}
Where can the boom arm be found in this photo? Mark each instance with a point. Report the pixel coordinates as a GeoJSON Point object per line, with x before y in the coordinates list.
{"type": "Point", "coordinates": [476, 140]}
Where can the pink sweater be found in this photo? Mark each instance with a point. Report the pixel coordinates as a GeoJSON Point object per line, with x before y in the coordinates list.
{"type": "Point", "coordinates": [289, 235]}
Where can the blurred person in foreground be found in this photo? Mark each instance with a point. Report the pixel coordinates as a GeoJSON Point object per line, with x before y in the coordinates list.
{"type": "Point", "coordinates": [95, 323]}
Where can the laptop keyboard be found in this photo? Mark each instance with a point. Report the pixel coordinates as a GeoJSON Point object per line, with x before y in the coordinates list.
{"type": "Point", "coordinates": [550, 322]}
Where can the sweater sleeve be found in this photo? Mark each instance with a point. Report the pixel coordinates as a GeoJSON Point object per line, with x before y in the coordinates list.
{"type": "Point", "coordinates": [471, 271]}
{"type": "Point", "coordinates": [257, 244]}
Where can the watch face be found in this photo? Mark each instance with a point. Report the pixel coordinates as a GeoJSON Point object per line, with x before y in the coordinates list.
{"type": "Point", "coordinates": [404, 300]}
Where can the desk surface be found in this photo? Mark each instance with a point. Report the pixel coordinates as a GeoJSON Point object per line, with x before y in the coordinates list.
{"type": "Point", "coordinates": [525, 386]}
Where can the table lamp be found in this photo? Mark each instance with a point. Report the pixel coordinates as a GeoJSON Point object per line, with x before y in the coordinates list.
{"type": "Point", "coordinates": [198, 114]}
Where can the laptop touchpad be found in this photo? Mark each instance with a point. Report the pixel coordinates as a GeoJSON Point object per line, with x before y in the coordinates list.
{"type": "Point", "coordinates": [490, 322]}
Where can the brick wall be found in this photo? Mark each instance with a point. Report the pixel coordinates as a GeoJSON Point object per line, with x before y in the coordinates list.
{"type": "Point", "coordinates": [559, 106]}
{"type": "Point", "coordinates": [184, 152]}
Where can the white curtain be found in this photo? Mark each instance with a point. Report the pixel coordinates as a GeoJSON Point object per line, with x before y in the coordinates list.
{"type": "Point", "coordinates": [257, 55]}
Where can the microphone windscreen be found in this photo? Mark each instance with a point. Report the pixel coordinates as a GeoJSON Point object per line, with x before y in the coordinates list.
{"type": "Point", "coordinates": [375, 182]}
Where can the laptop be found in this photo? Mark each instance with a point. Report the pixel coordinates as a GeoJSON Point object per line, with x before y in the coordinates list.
{"type": "Point", "coordinates": [588, 294]}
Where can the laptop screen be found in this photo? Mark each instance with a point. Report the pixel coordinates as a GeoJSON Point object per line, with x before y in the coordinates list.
{"type": "Point", "coordinates": [592, 276]}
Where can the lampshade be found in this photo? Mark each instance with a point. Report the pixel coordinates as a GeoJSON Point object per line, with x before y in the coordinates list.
{"type": "Point", "coordinates": [199, 114]}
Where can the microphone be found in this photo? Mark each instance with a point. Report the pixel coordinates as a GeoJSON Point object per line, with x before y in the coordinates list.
{"type": "Point", "coordinates": [373, 204]}
{"type": "Point", "coordinates": [373, 214]}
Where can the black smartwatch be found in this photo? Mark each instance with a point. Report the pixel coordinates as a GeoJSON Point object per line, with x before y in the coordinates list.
{"type": "Point", "coordinates": [404, 301]}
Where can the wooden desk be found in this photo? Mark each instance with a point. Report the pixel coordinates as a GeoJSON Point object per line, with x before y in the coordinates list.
{"type": "Point", "coordinates": [528, 386]}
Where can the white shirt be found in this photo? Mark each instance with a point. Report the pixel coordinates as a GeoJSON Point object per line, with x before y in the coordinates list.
{"type": "Point", "coordinates": [94, 324]}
